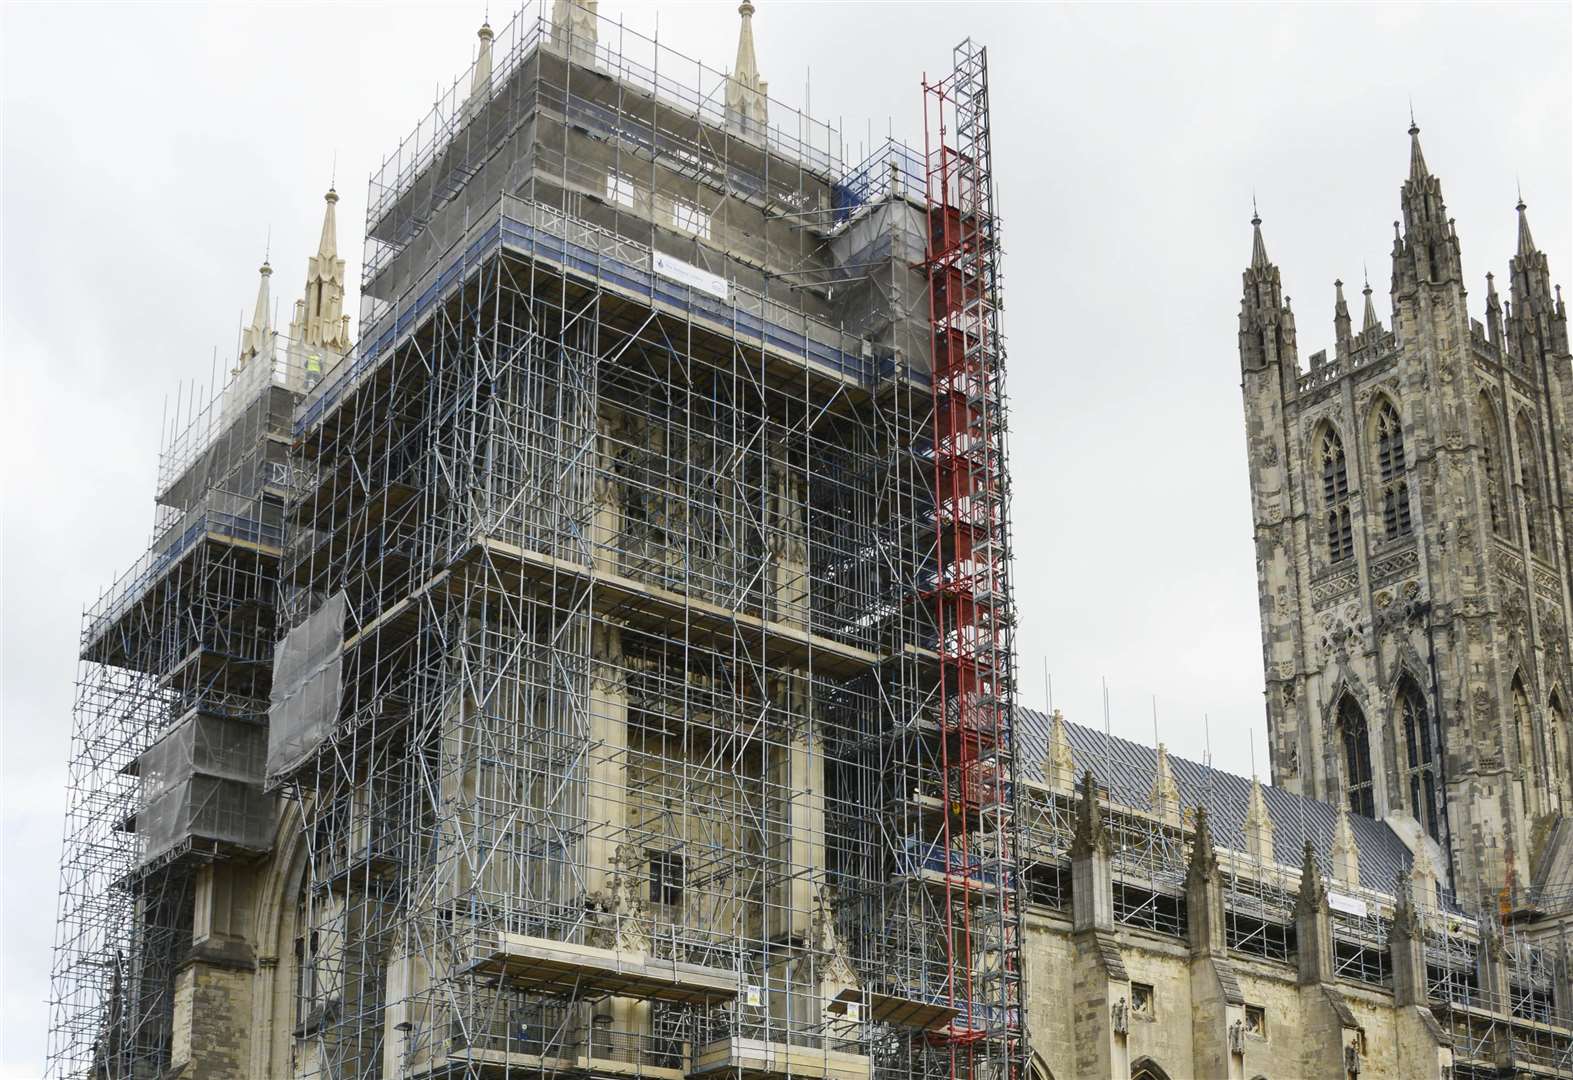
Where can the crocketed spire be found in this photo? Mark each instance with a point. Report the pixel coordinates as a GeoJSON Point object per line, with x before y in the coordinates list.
{"type": "Point", "coordinates": [1417, 160]}
{"type": "Point", "coordinates": [1259, 259]}
{"type": "Point", "coordinates": [1340, 317]}
{"type": "Point", "coordinates": [1526, 242]}
{"type": "Point", "coordinates": [1371, 321]}
{"type": "Point", "coordinates": [257, 340]}
{"type": "Point", "coordinates": [320, 331]}
{"type": "Point", "coordinates": [481, 77]}
{"type": "Point", "coordinates": [746, 101]}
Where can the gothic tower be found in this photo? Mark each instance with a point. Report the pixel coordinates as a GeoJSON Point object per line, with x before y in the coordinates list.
{"type": "Point", "coordinates": [1409, 495]}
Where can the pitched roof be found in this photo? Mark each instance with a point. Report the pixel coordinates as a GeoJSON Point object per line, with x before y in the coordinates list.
{"type": "Point", "coordinates": [1126, 769]}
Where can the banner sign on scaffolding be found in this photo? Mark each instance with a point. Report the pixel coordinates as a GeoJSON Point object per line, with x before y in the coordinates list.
{"type": "Point", "coordinates": [690, 275]}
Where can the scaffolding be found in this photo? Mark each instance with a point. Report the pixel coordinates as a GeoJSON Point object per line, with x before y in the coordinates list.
{"type": "Point", "coordinates": [168, 736]}
{"type": "Point", "coordinates": [622, 634]}
{"type": "Point", "coordinates": [615, 706]}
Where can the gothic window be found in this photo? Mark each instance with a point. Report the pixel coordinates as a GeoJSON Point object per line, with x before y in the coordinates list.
{"type": "Point", "coordinates": [1524, 741]}
{"type": "Point", "coordinates": [1415, 721]}
{"type": "Point", "coordinates": [1335, 496]}
{"type": "Point", "coordinates": [308, 989]}
{"type": "Point", "coordinates": [667, 874]}
{"type": "Point", "coordinates": [1491, 458]}
{"type": "Point", "coordinates": [1530, 482]}
{"type": "Point", "coordinates": [1558, 723]}
{"type": "Point", "coordinates": [1392, 471]}
{"type": "Point", "coordinates": [1355, 742]}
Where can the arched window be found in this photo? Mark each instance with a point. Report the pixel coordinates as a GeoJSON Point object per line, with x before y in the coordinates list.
{"type": "Point", "coordinates": [1415, 721]}
{"type": "Point", "coordinates": [1335, 496]}
{"type": "Point", "coordinates": [1557, 721]}
{"type": "Point", "coordinates": [1355, 741]}
{"type": "Point", "coordinates": [1533, 494]}
{"type": "Point", "coordinates": [1491, 457]}
{"type": "Point", "coordinates": [1392, 471]}
{"type": "Point", "coordinates": [1147, 1069]}
{"type": "Point", "coordinates": [1526, 745]}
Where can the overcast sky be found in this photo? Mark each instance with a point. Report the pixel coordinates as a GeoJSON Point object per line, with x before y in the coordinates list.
{"type": "Point", "coordinates": [148, 150]}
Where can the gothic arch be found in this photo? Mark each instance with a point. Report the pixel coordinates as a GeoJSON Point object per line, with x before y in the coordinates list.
{"type": "Point", "coordinates": [1526, 744]}
{"type": "Point", "coordinates": [1390, 466]}
{"type": "Point", "coordinates": [1532, 490]}
{"type": "Point", "coordinates": [1493, 457]}
{"type": "Point", "coordinates": [1414, 727]}
{"type": "Point", "coordinates": [1332, 479]}
{"type": "Point", "coordinates": [273, 999]}
{"type": "Point", "coordinates": [1353, 750]}
{"type": "Point", "coordinates": [1038, 1069]}
{"type": "Point", "coordinates": [1561, 740]}
{"type": "Point", "coordinates": [1147, 1069]}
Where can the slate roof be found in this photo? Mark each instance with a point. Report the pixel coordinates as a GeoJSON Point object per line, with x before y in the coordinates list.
{"type": "Point", "coordinates": [1126, 768]}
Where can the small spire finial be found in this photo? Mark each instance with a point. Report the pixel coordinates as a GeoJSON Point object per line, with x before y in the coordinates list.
{"type": "Point", "coordinates": [1259, 257]}
{"type": "Point", "coordinates": [1417, 160]}
{"type": "Point", "coordinates": [267, 248]}
{"type": "Point", "coordinates": [1414, 128]}
{"type": "Point", "coordinates": [1526, 242]}
{"type": "Point", "coordinates": [747, 95]}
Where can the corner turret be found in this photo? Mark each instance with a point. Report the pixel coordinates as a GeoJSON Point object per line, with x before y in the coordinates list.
{"type": "Point", "coordinates": [1427, 251]}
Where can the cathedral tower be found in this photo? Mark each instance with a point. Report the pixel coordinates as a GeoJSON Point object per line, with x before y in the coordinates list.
{"type": "Point", "coordinates": [1408, 494]}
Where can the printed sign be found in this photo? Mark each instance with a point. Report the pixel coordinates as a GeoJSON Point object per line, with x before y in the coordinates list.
{"type": "Point", "coordinates": [690, 275]}
{"type": "Point", "coordinates": [1349, 905]}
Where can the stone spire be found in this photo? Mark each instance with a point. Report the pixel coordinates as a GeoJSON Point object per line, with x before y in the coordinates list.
{"type": "Point", "coordinates": [1312, 894]}
{"type": "Point", "coordinates": [257, 340]}
{"type": "Point", "coordinates": [747, 109]}
{"type": "Point", "coordinates": [1060, 768]}
{"type": "Point", "coordinates": [1532, 293]}
{"type": "Point", "coordinates": [1427, 253]}
{"type": "Point", "coordinates": [1258, 824]}
{"type": "Point", "coordinates": [1493, 310]}
{"type": "Point", "coordinates": [481, 76]}
{"type": "Point", "coordinates": [1267, 334]}
{"type": "Point", "coordinates": [1090, 834]}
{"type": "Point", "coordinates": [1526, 242]}
{"type": "Point", "coordinates": [1204, 852]}
{"type": "Point", "coordinates": [1259, 259]}
{"type": "Point", "coordinates": [1341, 322]}
{"type": "Point", "coordinates": [1371, 321]}
{"type": "Point", "coordinates": [320, 332]}
{"type": "Point", "coordinates": [1418, 172]}
{"type": "Point", "coordinates": [1345, 855]}
{"type": "Point", "coordinates": [1165, 793]}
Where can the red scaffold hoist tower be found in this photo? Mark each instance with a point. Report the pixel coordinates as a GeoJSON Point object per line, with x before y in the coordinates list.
{"type": "Point", "coordinates": [972, 590]}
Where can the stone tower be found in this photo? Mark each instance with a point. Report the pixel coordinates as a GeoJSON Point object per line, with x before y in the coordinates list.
{"type": "Point", "coordinates": [1409, 491]}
